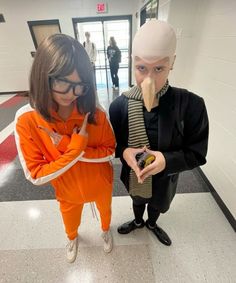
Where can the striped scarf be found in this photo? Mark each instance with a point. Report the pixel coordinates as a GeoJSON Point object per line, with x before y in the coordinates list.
{"type": "Point", "coordinates": [138, 137]}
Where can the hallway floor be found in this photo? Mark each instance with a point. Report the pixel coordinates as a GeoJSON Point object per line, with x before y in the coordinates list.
{"type": "Point", "coordinates": [32, 239]}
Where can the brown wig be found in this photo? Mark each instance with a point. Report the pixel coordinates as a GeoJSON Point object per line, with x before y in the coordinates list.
{"type": "Point", "coordinates": [58, 56]}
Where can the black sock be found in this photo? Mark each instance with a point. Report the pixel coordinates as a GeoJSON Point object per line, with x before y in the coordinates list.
{"type": "Point", "coordinates": [138, 213]}
{"type": "Point", "coordinates": [153, 214]}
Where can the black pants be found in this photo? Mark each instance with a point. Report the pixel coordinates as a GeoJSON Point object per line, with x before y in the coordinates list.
{"type": "Point", "coordinates": [163, 192]}
{"type": "Point", "coordinates": [114, 74]}
{"type": "Point", "coordinates": [139, 205]}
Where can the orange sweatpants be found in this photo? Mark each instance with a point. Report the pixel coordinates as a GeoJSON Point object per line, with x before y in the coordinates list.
{"type": "Point", "coordinates": [71, 214]}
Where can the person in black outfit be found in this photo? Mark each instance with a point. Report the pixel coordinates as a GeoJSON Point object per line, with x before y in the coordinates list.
{"type": "Point", "coordinates": [114, 57]}
{"type": "Point", "coordinates": [167, 122]}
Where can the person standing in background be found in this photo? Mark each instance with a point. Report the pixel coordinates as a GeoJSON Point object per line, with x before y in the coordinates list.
{"type": "Point", "coordinates": [114, 57]}
{"type": "Point", "coordinates": [91, 50]}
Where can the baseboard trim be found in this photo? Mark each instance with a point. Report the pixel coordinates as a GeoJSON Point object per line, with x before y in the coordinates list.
{"type": "Point", "coordinates": [218, 200]}
{"type": "Point", "coordinates": [22, 92]}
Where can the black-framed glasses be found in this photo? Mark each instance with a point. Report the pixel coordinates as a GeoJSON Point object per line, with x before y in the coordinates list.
{"type": "Point", "coordinates": [63, 86]}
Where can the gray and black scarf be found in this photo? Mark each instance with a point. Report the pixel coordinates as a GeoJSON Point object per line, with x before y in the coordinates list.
{"type": "Point", "coordinates": [138, 137]}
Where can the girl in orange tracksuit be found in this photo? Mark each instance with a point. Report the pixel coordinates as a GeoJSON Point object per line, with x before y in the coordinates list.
{"type": "Point", "coordinates": [64, 138]}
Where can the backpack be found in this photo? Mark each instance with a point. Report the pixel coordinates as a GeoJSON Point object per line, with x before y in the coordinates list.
{"type": "Point", "coordinates": [92, 45]}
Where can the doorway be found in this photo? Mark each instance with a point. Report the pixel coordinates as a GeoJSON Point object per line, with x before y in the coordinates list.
{"type": "Point", "coordinates": [101, 29]}
{"type": "Point", "coordinates": [149, 11]}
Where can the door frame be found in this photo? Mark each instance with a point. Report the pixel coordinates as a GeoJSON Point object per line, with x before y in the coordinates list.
{"type": "Point", "coordinates": [75, 21]}
{"type": "Point", "coordinates": [143, 12]}
{"type": "Point", "coordinates": [31, 24]}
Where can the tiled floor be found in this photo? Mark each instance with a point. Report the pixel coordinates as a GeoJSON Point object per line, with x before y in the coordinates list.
{"type": "Point", "coordinates": [32, 239]}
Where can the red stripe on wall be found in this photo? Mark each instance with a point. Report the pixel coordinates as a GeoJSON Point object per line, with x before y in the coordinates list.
{"type": "Point", "coordinates": [12, 102]}
{"type": "Point", "coordinates": [8, 151]}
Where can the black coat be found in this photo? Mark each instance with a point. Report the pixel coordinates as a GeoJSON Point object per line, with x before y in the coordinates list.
{"type": "Point", "coordinates": [182, 138]}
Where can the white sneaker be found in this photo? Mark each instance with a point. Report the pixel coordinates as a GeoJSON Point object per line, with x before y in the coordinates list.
{"type": "Point", "coordinates": [71, 250]}
{"type": "Point", "coordinates": [108, 241]}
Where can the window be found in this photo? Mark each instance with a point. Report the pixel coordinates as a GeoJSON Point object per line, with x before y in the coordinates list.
{"type": "Point", "coordinates": [149, 11]}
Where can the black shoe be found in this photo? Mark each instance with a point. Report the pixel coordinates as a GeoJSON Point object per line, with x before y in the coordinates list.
{"type": "Point", "coordinates": [160, 234]}
{"type": "Point", "coordinates": [127, 227]}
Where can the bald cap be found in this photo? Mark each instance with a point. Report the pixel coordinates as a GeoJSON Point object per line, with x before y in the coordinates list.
{"type": "Point", "coordinates": [153, 41]}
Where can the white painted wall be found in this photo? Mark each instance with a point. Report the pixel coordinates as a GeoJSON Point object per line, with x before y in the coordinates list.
{"type": "Point", "coordinates": [206, 64]}
{"type": "Point", "coordinates": [15, 38]}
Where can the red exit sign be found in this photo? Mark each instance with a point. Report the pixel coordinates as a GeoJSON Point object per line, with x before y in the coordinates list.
{"type": "Point", "coordinates": [101, 7]}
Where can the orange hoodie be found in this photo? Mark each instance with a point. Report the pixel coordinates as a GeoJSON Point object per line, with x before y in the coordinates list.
{"type": "Point", "coordinates": [79, 167]}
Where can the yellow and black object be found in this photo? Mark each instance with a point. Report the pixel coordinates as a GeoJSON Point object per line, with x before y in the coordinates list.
{"type": "Point", "coordinates": [144, 159]}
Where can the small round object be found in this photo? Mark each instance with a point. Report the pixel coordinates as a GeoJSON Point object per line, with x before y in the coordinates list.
{"type": "Point", "coordinates": [144, 159]}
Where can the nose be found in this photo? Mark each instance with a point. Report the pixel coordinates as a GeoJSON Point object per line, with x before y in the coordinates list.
{"type": "Point", "coordinates": [151, 74]}
{"type": "Point", "coordinates": [70, 92]}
